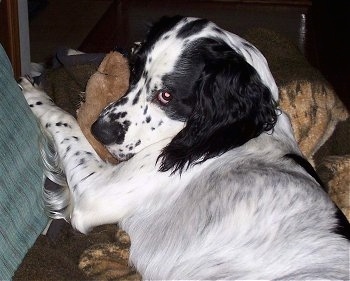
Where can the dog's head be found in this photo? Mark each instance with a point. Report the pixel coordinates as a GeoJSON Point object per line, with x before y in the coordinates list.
{"type": "Point", "coordinates": [202, 88]}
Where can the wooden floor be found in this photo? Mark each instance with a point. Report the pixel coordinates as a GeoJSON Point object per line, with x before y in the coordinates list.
{"type": "Point", "coordinates": [320, 30]}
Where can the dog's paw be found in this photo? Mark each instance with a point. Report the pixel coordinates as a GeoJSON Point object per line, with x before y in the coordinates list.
{"type": "Point", "coordinates": [28, 87]}
{"type": "Point", "coordinates": [107, 261]}
{"type": "Point", "coordinates": [36, 98]}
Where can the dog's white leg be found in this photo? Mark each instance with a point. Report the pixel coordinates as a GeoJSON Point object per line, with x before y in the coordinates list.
{"type": "Point", "coordinates": [73, 148]}
{"type": "Point", "coordinates": [77, 157]}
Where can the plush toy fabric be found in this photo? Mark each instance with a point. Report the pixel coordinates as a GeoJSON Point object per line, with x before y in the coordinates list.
{"type": "Point", "coordinates": [107, 84]}
{"type": "Point", "coordinates": [109, 261]}
{"type": "Point", "coordinates": [335, 171]}
{"type": "Point", "coordinates": [314, 109]}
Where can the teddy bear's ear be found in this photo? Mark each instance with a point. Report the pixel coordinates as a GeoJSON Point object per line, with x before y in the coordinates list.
{"type": "Point", "coordinates": [115, 64]}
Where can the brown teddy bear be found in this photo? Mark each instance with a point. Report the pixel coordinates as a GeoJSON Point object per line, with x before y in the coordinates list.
{"type": "Point", "coordinates": [105, 261]}
{"type": "Point", "coordinates": [107, 84]}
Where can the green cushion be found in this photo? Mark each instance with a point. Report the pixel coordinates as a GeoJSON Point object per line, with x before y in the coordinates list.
{"type": "Point", "coordinates": [21, 214]}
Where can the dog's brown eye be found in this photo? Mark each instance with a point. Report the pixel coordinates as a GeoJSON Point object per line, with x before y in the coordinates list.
{"type": "Point", "coordinates": [164, 97]}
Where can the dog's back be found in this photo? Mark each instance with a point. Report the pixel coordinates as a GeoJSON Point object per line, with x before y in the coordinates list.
{"type": "Point", "coordinates": [245, 216]}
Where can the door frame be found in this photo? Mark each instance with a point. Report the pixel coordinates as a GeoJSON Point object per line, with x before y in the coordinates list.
{"type": "Point", "coordinates": [9, 33]}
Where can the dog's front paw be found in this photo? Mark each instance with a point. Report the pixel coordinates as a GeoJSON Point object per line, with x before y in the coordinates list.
{"type": "Point", "coordinates": [36, 98]}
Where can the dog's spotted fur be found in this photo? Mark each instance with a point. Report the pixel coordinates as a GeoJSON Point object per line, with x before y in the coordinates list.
{"type": "Point", "coordinates": [215, 186]}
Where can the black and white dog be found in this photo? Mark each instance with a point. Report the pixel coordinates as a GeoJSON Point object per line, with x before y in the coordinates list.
{"type": "Point", "coordinates": [214, 185]}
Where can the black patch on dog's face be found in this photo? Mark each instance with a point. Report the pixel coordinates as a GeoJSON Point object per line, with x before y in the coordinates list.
{"type": "Point", "coordinates": [182, 83]}
{"type": "Point", "coordinates": [220, 97]}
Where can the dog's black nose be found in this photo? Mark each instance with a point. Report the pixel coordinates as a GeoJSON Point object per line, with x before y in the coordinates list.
{"type": "Point", "coordinates": [108, 132]}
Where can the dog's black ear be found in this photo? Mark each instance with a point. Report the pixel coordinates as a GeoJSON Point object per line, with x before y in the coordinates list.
{"type": "Point", "coordinates": [232, 107]}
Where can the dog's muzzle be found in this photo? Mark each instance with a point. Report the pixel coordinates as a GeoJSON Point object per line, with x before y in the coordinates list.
{"type": "Point", "coordinates": [108, 132]}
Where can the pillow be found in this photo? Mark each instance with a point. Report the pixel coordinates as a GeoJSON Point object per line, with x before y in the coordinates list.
{"type": "Point", "coordinates": [309, 100]}
{"type": "Point", "coordinates": [335, 170]}
{"type": "Point", "coordinates": [22, 217]}
{"type": "Point", "coordinates": [314, 110]}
